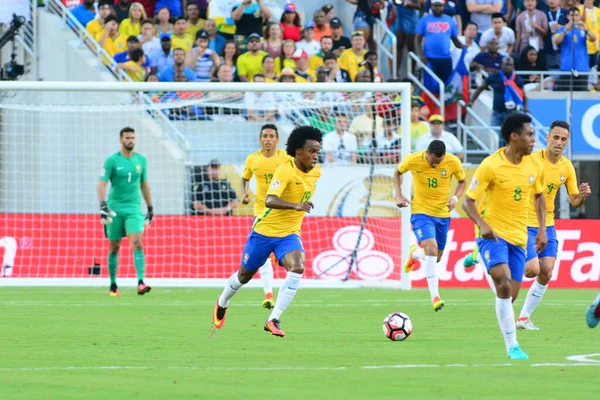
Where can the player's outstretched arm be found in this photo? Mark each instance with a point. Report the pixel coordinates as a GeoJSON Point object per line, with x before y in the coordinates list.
{"type": "Point", "coordinates": [275, 202]}
{"type": "Point", "coordinates": [460, 189]}
{"type": "Point", "coordinates": [578, 199]}
{"type": "Point", "coordinates": [106, 213]}
{"type": "Point", "coordinates": [145, 188]}
{"type": "Point", "coordinates": [541, 239]}
{"type": "Point", "coordinates": [401, 201]}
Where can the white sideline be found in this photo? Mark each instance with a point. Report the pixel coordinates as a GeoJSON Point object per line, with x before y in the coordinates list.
{"type": "Point", "coordinates": [191, 282]}
{"type": "Point", "coordinates": [341, 368]}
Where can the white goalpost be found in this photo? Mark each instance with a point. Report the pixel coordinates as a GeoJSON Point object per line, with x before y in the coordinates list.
{"type": "Point", "coordinates": [54, 137]}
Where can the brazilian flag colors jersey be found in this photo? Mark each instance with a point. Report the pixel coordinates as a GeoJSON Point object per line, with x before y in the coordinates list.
{"type": "Point", "coordinates": [125, 176]}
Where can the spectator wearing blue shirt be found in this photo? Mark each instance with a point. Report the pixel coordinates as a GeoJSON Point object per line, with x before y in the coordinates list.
{"type": "Point", "coordinates": [174, 7]}
{"type": "Point", "coordinates": [168, 75]}
{"type": "Point", "coordinates": [508, 92]}
{"type": "Point", "coordinates": [557, 18]}
{"type": "Point", "coordinates": [216, 42]}
{"type": "Point", "coordinates": [489, 61]}
{"type": "Point", "coordinates": [450, 9]}
{"type": "Point", "coordinates": [163, 58]}
{"type": "Point", "coordinates": [573, 51]}
{"type": "Point", "coordinates": [434, 33]}
{"type": "Point", "coordinates": [132, 43]}
{"type": "Point", "coordinates": [85, 12]}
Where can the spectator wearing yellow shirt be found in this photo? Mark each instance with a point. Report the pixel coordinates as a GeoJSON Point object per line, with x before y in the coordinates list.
{"type": "Point", "coordinates": [180, 39]}
{"type": "Point", "coordinates": [132, 26]}
{"type": "Point", "coordinates": [350, 58]}
{"type": "Point", "coordinates": [303, 72]}
{"type": "Point", "coordinates": [250, 63]}
{"type": "Point", "coordinates": [285, 59]}
{"type": "Point", "coordinates": [269, 69]}
{"type": "Point", "coordinates": [110, 39]}
{"type": "Point", "coordinates": [316, 60]}
{"type": "Point", "coordinates": [96, 26]}
{"type": "Point", "coordinates": [417, 127]}
{"type": "Point", "coordinates": [134, 67]}
{"type": "Point", "coordinates": [591, 15]}
{"type": "Point", "coordinates": [194, 22]}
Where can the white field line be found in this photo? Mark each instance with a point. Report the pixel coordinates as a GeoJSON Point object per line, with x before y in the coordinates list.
{"type": "Point", "coordinates": [249, 369]}
{"type": "Point", "coordinates": [247, 303]}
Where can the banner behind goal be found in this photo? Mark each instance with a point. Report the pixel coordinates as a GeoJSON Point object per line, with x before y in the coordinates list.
{"type": "Point", "coordinates": [54, 138]}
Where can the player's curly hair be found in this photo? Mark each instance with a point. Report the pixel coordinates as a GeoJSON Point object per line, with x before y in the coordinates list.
{"type": "Point", "coordinates": [514, 123]}
{"type": "Point", "coordinates": [299, 136]}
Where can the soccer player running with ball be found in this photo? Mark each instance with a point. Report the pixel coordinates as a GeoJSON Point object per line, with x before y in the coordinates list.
{"type": "Point", "coordinates": [121, 215]}
{"type": "Point", "coordinates": [277, 230]}
{"type": "Point", "coordinates": [508, 178]}
{"type": "Point", "coordinates": [262, 164]}
{"type": "Point", "coordinates": [432, 171]}
{"type": "Point", "coordinates": [557, 171]}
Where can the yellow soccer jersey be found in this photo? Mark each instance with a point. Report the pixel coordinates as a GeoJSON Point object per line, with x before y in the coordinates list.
{"type": "Point", "coordinates": [185, 42]}
{"type": "Point", "coordinates": [289, 184]}
{"type": "Point", "coordinates": [263, 169]}
{"type": "Point", "coordinates": [432, 185]}
{"type": "Point", "coordinates": [561, 173]}
{"type": "Point", "coordinates": [508, 189]}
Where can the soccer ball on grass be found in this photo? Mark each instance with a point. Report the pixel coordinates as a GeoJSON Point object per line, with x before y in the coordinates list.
{"type": "Point", "coordinates": [397, 326]}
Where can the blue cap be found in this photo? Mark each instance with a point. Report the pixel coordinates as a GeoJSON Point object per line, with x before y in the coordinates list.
{"type": "Point", "coordinates": [309, 25]}
{"type": "Point", "coordinates": [163, 36]}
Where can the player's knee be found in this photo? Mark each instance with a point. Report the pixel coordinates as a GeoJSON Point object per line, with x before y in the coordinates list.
{"type": "Point", "coordinates": [531, 273]}
{"type": "Point", "coordinates": [114, 248]}
{"type": "Point", "coordinates": [503, 286]}
{"type": "Point", "coordinates": [245, 275]}
{"type": "Point", "coordinates": [297, 268]}
{"type": "Point", "coordinates": [431, 249]}
{"type": "Point", "coordinates": [136, 244]}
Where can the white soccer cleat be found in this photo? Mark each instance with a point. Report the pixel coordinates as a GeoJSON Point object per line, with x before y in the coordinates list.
{"type": "Point", "coordinates": [526, 324]}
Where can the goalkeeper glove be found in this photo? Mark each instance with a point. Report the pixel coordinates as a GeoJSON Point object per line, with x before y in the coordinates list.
{"type": "Point", "coordinates": [149, 216]}
{"type": "Point", "coordinates": [106, 214]}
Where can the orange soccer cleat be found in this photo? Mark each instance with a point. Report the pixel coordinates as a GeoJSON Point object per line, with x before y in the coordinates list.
{"type": "Point", "coordinates": [273, 327]}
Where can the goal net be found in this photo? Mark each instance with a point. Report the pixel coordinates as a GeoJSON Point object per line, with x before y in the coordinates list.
{"type": "Point", "coordinates": [54, 138]}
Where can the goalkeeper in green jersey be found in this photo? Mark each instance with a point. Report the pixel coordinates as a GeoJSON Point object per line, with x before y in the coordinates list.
{"type": "Point", "coordinates": [121, 215]}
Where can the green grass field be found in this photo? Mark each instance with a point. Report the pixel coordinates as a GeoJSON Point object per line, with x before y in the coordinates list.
{"type": "Point", "coordinates": [76, 343]}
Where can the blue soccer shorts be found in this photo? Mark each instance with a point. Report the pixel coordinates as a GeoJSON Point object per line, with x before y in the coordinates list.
{"type": "Point", "coordinates": [503, 252]}
{"type": "Point", "coordinates": [551, 249]}
{"type": "Point", "coordinates": [258, 248]}
{"type": "Point", "coordinates": [427, 227]}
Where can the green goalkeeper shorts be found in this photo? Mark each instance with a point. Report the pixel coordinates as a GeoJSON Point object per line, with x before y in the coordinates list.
{"type": "Point", "coordinates": [124, 224]}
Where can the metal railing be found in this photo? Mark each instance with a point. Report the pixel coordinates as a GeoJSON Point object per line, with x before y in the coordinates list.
{"type": "Point", "coordinates": [466, 131]}
{"type": "Point", "coordinates": [384, 38]}
{"type": "Point", "coordinates": [438, 100]}
{"type": "Point", "coordinates": [57, 8]}
{"type": "Point", "coordinates": [28, 32]}
{"type": "Point", "coordinates": [555, 74]}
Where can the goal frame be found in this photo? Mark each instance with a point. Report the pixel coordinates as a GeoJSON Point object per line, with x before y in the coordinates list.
{"type": "Point", "coordinates": [398, 87]}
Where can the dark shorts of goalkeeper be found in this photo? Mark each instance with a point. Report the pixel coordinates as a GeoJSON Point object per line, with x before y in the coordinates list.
{"type": "Point", "coordinates": [124, 223]}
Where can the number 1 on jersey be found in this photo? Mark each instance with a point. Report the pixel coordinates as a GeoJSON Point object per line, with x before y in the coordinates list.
{"type": "Point", "coordinates": [129, 177]}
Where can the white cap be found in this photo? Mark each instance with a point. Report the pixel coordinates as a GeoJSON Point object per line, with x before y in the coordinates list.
{"type": "Point", "coordinates": [437, 2]}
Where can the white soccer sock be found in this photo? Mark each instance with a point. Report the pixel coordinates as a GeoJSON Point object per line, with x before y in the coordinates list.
{"type": "Point", "coordinates": [266, 275]}
{"type": "Point", "coordinates": [488, 277]}
{"type": "Point", "coordinates": [431, 274]}
{"type": "Point", "coordinates": [418, 254]}
{"type": "Point", "coordinates": [506, 320]}
{"type": "Point", "coordinates": [534, 296]}
{"type": "Point", "coordinates": [286, 294]}
{"type": "Point", "coordinates": [231, 288]}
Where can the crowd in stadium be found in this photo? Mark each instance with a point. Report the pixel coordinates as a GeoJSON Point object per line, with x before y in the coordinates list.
{"type": "Point", "coordinates": [176, 41]}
